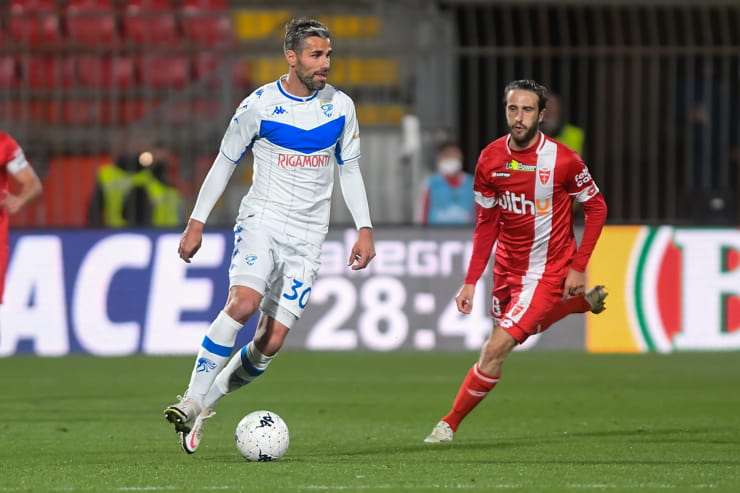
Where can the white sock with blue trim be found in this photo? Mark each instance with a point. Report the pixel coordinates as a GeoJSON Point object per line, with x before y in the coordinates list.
{"type": "Point", "coordinates": [244, 367]}
{"type": "Point", "coordinates": [213, 354]}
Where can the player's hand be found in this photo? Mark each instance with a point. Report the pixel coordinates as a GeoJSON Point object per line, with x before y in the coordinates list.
{"type": "Point", "coordinates": [464, 298]}
{"type": "Point", "coordinates": [191, 240]}
{"type": "Point", "coordinates": [363, 251]}
{"type": "Point", "coordinates": [575, 284]}
{"type": "Point", "coordinates": [11, 203]}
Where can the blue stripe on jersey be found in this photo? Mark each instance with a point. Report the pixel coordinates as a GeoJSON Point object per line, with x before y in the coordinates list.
{"type": "Point", "coordinates": [248, 366]}
{"type": "Point", "coordinates": [300, 140]}
{"type": "Point", "coordinates": [216, 349]}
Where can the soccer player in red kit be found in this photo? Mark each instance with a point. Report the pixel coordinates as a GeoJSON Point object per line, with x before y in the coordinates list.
{"type": "Point", "coordinates": [525, 184]}
{"type": "Point", "coordinates": [15, 167]}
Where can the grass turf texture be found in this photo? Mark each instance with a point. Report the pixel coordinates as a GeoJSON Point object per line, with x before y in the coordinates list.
{"type": "Point", "coordinates": [556, 422]}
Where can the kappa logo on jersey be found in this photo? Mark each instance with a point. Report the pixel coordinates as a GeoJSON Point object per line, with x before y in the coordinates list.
{"type": "Point", "coordinates": [279, 110]}
{"type": "Point", "coordinates": [328, 109]}
{"type": "Point", "coordinates": [515, 165]}
{"type": "Point", "coordinates": [544, 175]}
{"type": "Point", "coordinates": [293, 161]}
{"type": "Point", "coordinates": [519, 204]}
{"type": "Point", "coordinates": [259, 92]}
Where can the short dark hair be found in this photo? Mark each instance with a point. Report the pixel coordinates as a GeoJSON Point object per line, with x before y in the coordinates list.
{"type": "Point", "coordinates": [446, 144]}
{"type": "Point", "coordinates": [528, 85]}
{"type": "Point", "coordinates": [297, 30]}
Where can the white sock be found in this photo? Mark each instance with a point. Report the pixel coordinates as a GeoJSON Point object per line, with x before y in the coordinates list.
{"type": "Point", "coordinates": [213, 354]}
{"type": "Point", "coordinates": [244, 367]}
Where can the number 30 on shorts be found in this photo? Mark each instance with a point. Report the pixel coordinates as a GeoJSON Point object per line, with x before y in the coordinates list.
{"type": "Point", "coordinates": [297, 294]}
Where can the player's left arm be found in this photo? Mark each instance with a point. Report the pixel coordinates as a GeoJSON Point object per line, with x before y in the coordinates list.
{"type": "Point", "coordinates": [353, 190]}
{"type": "Point", "coordinates": [581, 186]}
{"type": "Point", "coordinates": [30, 188]}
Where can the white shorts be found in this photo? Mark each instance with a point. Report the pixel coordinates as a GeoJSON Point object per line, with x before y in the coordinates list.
{"type": "Point", "coordinates": [280, 267]}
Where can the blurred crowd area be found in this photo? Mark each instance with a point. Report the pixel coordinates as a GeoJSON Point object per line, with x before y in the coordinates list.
{"type": "Point", "coordinates": [654, 87]}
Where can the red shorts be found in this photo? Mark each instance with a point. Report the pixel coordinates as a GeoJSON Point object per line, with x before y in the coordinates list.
{"type": "Point", "coordinates": [519, 304]}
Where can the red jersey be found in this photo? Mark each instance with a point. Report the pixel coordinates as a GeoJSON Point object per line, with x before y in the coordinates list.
{"type": "Point", "coordinates": [11, 160]}
{"type": "Point", "coordinates": [527, 205]}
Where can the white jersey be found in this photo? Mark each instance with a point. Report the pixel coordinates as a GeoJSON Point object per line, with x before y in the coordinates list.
{"type": "Point", "coordinates": [296, 143]}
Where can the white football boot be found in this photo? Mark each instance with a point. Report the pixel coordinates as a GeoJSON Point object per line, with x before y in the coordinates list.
{"type": "Point", "coordinates": [441, 433]}
{"type": "Point", "coordinates": [595, 297]}
{"type": "Point", "coordinates": [191, 440]}
{"type": "Point", "coordinates": [182, 414]}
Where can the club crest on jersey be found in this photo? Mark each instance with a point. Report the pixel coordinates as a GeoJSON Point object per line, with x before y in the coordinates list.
{"type": "Point", "coordinates": [328, 109]}
{"type": "Point", "coordinates": [517, 166]}
{"type": "Point", "coordinates": [544, 175]}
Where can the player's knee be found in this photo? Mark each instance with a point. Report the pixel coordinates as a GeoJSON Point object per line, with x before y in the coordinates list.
{"type": "Point", "coordinates": [241, 305]}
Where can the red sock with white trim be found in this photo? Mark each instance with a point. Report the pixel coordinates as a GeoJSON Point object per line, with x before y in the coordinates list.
{"type": "Point", "coordinates": [474, 388]}
{"type": "Point", "coordinates": [573, 304]}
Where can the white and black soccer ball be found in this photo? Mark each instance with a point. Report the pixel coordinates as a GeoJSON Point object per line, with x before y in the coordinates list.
{"type": "Point", "coordinates": [262, 436]}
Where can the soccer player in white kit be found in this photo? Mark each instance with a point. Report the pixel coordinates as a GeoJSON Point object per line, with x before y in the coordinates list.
{"type": "Point", "coordinates": [299, 129]}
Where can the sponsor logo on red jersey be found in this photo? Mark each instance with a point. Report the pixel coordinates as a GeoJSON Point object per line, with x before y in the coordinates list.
{"type": "Point", "coordinates": [519, 204]}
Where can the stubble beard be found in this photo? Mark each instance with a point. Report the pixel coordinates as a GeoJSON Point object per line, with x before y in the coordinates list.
{"type": "Point", "coordinates": [526, 138]}
{"type": "Point", "coordinates": [311, 84]}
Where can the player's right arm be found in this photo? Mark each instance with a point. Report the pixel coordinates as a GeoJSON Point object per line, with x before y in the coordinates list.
{"type": "Point", "coordinates": [235, 143]}
{"type": "Point", "coordinates": [484, 236]}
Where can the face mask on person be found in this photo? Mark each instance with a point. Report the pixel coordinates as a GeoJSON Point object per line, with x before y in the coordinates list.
{"type": "Point", "coordinates": [449, 166]}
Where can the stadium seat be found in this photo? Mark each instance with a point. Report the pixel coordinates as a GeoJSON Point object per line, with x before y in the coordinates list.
{"type": "Point", "coordinates": [205, 63]}
{"type": "Point", "coordinates": [47, 71]}
{"type": "Point", "coordinates": [92, 23]}
{"type": "Point", "coordinates": [151, 23]}
{"type": "Point", "coordinates": [34, 22]}
{"type": "Point", "coordinates": [106, 72]}
{"type": "Point", "coordinates": [207, 23]}
{"type": "Point", "coordinates": [9, 78]}
{"type": "Point", "coordinates": [163, 71]}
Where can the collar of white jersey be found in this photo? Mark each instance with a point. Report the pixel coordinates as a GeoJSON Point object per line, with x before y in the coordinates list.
{"type": "Point", "coordinates": [539, 144]}
{"type": "Point", "coordinates": [290, 96]}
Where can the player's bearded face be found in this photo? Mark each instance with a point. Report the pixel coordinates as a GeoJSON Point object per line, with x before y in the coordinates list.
{"type": "Point", "coordinates": [312, 64]}
{"type": "Point", "coordinates": [523, 116]}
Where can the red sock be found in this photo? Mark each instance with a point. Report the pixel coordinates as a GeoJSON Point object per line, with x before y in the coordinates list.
{"type": "Point", "coordinates": [474, 388]}
{"type": "Point", "coordinates": [574, 304]}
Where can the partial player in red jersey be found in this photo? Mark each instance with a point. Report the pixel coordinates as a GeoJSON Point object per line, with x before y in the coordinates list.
{"type": "Point", "coordinates": [525, 185]}
{"type": "Point", "coordinates": [13, 167]}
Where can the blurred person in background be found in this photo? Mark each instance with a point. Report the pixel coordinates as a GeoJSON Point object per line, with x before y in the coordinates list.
{"type": "Point", "coordinates": [300, 130]}
{"type": "Point", "coordinates": [135, 191]}
{"type": "Point", "coordinates": [15, 170]}
{"type": "Point", "coordinates": [557, 126]}
{"type": "Point", "coordinates": [525, 184]}
{"type": "Point", "coordinates": [447, 195]}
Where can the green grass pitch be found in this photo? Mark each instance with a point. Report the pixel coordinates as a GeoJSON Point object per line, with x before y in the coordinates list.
{"type": "Point", "coordinates": [558, 421]}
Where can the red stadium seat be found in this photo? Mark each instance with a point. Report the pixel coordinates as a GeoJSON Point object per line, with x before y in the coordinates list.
{"type": "Point", "coordinates": [92, 23]}
{"type": "Point", "coordinates": [34, 22]}
{"type": "Point", "coordinates": [163, 71]}
{"type": "Point", "coordinates": [207, 23]}
{"type": "Point", "coordinates": [150, 22]}
{"type": "Point", "coordinates": [9, 72]}
{"type": "Point", "coordinates": [106, 72]}
{"type": "Point", "coordinates": [206, 63]}
{"type": "Point", "coordinates": [47, 71]}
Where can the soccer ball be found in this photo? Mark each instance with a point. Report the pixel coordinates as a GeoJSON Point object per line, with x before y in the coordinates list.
{"type": "Point", "coordinates": [262, 436]}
